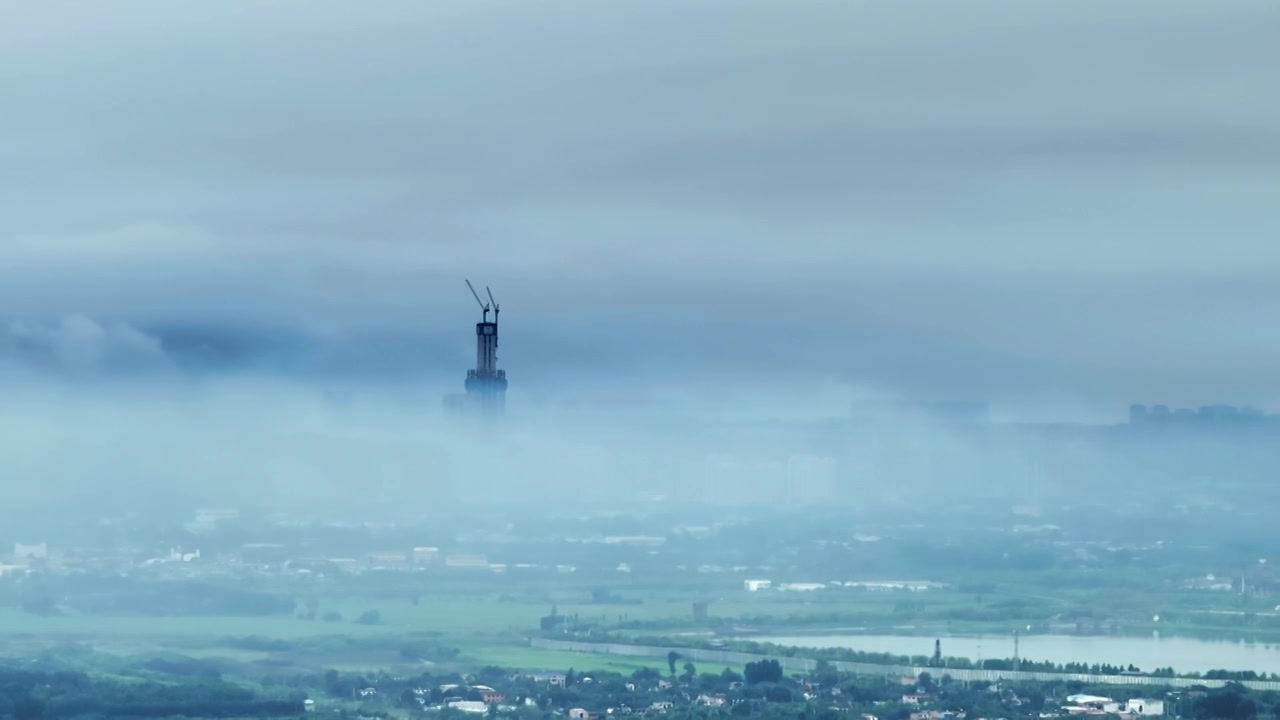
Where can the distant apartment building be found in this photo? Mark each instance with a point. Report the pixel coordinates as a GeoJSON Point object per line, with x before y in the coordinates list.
{"type": "Point", "coordinates": [802, 587]}
{"type": "Point", "coordinates": [348, 565]}
{"type": "Point", "coordinates": [756, 585]}
{"type": "Point", "coordinates": [264, 553]}
{"type": "Point", "coordinates": [23, 553]}
{"type": "Point", "coordinates": [390, 561]}
{"type": "Point", "coordinates": [700, 609]}
{"type": "Point", "coordinates": [1203, 416]}
{"type": "Point", "coordinates": [886, 585]}
{"type": "Point", "coordinates": [463, 560]}
{"type": "Point", "coordinates": [425, 555]}
{"type": "Point", "coordinates": [207, 519]}
{"type": "Point", "coordinates": [651, 541]}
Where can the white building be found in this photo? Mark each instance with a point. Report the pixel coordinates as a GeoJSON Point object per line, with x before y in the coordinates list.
{"type": "Point", "coordinates": [635, 540]}
{"type": "Point", "coordinates": [757, 585]}
{"type": "Point", "coordinates": [1144, 706]}
{"type": "Point", "coordinates": [802, 587]}
{"type": "Point", "coordinates": [23, 552]}
{"type": "Point", "coordinates": [912, 585]}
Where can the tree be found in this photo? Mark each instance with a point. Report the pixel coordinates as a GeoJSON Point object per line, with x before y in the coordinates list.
{"type": "Point", "coordinates": [825, 674]}
{"type": "Point", "coordinates": [690, 672]}
{"type": "Point", "coordinates": [925, 681]}
{"type": "Point", "coordinates": [763, 671]}
{"type": "Point", "coordinates": [672, 657]}
{"type": "Point", "coordinates": [778, 694]}
{"type": "Point", "coordinates": [645, 675]}
{"type": "Point", "coordinates": [1229, 703]}
{"type": "Point", "coordinates": [369, 617]}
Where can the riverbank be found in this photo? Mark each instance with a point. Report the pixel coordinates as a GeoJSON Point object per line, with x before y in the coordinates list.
{"type": "Point", "coordinates": [799, 663]}
{"type": "Point", "coordinates": [1186, 655]}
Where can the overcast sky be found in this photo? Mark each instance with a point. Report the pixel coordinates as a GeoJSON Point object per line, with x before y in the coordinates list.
{"type": "Point", "coordinates": [1041, 204]}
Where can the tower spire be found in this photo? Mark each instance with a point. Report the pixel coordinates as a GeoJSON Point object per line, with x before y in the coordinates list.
{"type": "Point", "coordinates": [486, 385]}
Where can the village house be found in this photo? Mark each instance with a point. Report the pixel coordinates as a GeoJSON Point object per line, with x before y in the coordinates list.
{"type": "Point", "coordinates": [553, 679]}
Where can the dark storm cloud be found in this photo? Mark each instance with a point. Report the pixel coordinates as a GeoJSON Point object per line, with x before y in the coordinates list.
{"type": "Point", "coordinates": [1033, 203]}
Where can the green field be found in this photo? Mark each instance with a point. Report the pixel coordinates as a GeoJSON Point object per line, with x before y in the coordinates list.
{"type": "Point", "coordinates": [489, 622]}
{"type": "Point", "coordinates": [526, 658]}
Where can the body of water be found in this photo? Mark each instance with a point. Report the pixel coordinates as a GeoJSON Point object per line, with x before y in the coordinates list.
{"type": "Point", "coordinates": [1181, 653]}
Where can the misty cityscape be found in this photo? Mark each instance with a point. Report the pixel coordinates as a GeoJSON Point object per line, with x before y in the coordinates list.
{"type": "Point", "coordinates": [572, 360]}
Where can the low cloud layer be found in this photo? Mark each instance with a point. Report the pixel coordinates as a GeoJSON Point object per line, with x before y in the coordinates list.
{"type": "Point", "coordinates": [1063, 206]}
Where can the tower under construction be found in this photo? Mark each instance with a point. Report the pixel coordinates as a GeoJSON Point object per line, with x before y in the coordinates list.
{"type": "Point", "coordinates": [486, 385]}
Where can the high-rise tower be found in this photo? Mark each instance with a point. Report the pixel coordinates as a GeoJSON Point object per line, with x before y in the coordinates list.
{"type": "Point", "coordinates": [486, 385]}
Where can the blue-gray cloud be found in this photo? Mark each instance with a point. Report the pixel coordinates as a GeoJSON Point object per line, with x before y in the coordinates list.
{"type": "Point", "coordinates": [1053, 202]}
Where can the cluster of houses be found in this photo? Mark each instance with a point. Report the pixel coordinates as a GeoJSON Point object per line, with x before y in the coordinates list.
{"type": "Point", "coordinates": [922, 701]}
{"type": "Point", "coordinates": [463, 698]}
{"type": "Point", "coordinates": [1076, 705]}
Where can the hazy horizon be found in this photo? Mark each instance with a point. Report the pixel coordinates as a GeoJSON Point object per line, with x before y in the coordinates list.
{"type": "Point", "coordinates": [235, 234]}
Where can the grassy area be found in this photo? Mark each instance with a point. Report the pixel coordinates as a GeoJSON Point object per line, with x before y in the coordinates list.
{"type": "Point", "coordinates": [489, 622]}
{"type": "Point", "coordinates": [523, 657]}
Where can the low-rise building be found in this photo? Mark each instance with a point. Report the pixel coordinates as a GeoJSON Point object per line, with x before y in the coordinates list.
{"type": "Point", "coordinates": [1143, 706]}
{"type": "Point", "coordinates": [802, 587]}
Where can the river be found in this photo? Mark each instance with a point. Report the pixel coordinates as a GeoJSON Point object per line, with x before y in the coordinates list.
{"type": "Point", "coordinates": [1182, 653]}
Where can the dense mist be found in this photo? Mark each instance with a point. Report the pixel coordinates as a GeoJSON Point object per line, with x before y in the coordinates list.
{"type": "Point", "coordinates": [92, 448]}
{"type": "Point", "coordinates": [234, 239]}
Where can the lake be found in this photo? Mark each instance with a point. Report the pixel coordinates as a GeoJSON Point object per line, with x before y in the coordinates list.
{"type": "Point", "coordinates": [1182, 653]}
